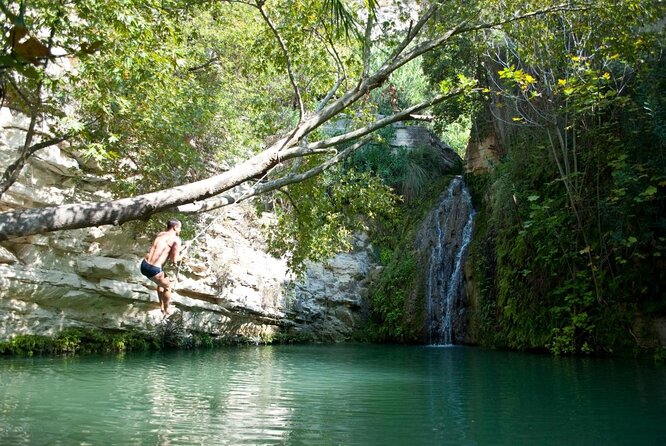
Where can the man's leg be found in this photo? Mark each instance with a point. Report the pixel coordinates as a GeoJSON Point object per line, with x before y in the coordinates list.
{"type": "Point", "coordinates": [166, 299]}
{"type": "Point", "coordinates": [160, 296]}
{"type": "Point", "coordinates": [163, 291]}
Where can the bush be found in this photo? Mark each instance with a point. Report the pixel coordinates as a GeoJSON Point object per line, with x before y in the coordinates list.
{"type": "Point", "coordinates": [79, 341]}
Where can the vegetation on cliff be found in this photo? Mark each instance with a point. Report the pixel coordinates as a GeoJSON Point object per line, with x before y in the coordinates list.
{"type": "Point", "coordinates": [570, 242]}
{"type": "Point", "coordinates": [168, 336]}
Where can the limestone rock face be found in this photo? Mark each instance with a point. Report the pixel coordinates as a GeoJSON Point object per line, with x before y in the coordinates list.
{"type": "Point", "coordinates": [411, 136]}
{"type": "Point", "coordinates": [228, 285]}
{"type": "Point", "coordinates": [6, 256]}
{"type": "Point", "coordinates": [332, 298]}
{"type": "Point", "coordinates": [418, 136]}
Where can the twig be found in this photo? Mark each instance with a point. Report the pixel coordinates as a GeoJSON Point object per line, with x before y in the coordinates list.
{"type": "Point", "coordinates": [290, 71]}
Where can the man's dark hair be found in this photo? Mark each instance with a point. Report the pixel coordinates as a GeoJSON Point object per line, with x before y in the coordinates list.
{"type": "Point", "coordinates": [172, 224]}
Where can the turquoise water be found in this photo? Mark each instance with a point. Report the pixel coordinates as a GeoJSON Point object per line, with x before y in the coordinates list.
{"type": "Point", "coordinates": [332, 395]}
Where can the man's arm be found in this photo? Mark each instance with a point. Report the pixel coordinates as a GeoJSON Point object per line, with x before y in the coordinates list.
{"type": "Point", "coordinates": [174, 253]}
{"type": "Point", "coordinates": [184, 247]}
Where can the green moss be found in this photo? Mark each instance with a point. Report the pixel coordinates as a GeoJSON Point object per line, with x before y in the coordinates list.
{"type": "Point", "coordinates": [281, 338]}
{"type": "Point", "coordinates": [26, 345]}
{"type": "Point", "coordinates": [168, 336]}
{"type": "Point", "coordinates": [390, 297]}
{"type": "Point", "coordinates": [79, 341]}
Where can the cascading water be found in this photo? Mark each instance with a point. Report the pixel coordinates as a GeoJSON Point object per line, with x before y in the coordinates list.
{"type": "Point", "coordinates": [451, 232]}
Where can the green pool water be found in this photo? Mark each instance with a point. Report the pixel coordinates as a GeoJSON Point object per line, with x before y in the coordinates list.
{"type": "Point", "coordinates": [332, 395]}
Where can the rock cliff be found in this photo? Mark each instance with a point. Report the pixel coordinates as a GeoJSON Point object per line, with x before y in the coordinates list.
{"type": "Point", "coordinates": [228, 287]}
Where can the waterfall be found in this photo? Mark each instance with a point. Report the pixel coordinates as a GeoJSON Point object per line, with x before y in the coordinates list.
{"type": "Point", "coordinates": [450, 233]}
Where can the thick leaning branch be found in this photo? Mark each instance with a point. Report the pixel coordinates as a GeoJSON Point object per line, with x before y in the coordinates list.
{"type": "Point", "coordinates": [268, 186]}
{"type": "Point", "coordinates": [72, 216]}
{"type": "Point", "coordinates": [313, 149]}
{"type": "Point", "coordinates": [87, 214]}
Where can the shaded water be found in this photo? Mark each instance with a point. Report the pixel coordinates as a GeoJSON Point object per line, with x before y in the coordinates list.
{"type": "Point", "coordinates": [350, 394]}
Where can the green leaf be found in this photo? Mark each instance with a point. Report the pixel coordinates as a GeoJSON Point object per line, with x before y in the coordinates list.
{"type": "Point", "coordinates": [650, 191]}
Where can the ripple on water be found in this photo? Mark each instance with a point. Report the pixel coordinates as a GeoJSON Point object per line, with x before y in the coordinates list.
{"type": "Point", "coordinates": [330, 395]}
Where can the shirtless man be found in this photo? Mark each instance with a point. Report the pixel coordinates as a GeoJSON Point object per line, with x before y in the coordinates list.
{"type": "Point", "coordinates": [167, 245]}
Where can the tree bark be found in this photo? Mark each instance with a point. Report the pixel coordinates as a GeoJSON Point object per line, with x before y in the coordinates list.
{"type": "Point", "coordinates": [72, 216]}
{"type": "Point", "coordinates": [88, 214]}
{"type": "Point", "coordinates": [80, 215]}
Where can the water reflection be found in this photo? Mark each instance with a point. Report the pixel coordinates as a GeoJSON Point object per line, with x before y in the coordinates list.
{"type": "Point", "coordinates": [331, 395]}
{"type": "Point", "coordinates": [224, 402]}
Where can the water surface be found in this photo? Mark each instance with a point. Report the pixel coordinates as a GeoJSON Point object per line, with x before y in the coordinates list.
{"type": "Point", "coordinates": [332, 395]}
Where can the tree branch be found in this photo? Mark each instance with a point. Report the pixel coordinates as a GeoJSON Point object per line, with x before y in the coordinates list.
{"type": "Point", "coordinates": [400, 116]}
{"type": "Point", "coordinates": [424, 118]}
{"type": "Point", "coordinates": [527, 15]}
{"type": "Point", "coordinates": [411, 34]}
{"type": "Point", "coordinates": [367, 45]}
{"type": "Point", "coordinates": [5, 10]}
{"type": "Point", "coordinates": [12, 171]}
{"type": "Point", "coordinates": [342, 72]}
{"type": "Point", "coordinates": [398, 59]}
{"type": "Point", "coordinates": [262, 188]}
{"type": "Point", "coordinates": [208, 63]}
{"type": "Point", "coordinates": [330, 94]}
{"type": "Point", "coordinates": [290, 71]}
{"type": "Point", "coordinates": [291, 199]}
{"type": "Point", "coordinates": [297, 178]}
{"type": "Point", "coordinates": [71, 216]}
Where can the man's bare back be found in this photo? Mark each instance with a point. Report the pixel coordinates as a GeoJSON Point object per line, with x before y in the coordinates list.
{"type": "Point", "coordinates": [165, 246]}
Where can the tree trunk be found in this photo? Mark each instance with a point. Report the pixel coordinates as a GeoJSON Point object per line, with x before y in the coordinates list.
{"type": "Point", "coordinates": [87, 214]}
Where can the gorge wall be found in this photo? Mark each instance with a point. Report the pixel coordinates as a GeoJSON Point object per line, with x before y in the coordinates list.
{"type": "Point", "coordinates": [494, 141]}
{"type": "Point", "coordinates": [229, 286]}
